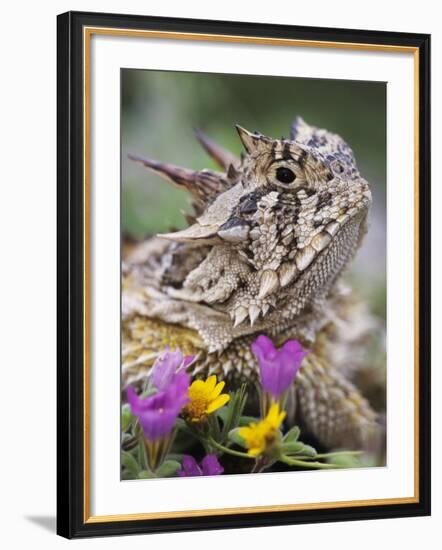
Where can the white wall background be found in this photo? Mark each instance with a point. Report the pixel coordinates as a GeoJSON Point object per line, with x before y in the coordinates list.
{"type": "Point", "coordinates": [27, 274]}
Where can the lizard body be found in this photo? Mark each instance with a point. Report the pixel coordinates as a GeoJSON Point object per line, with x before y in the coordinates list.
{"type": "Point", "coordinates": [263, 253]}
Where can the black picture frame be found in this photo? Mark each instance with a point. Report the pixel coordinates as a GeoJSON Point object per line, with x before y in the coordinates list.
{"type": "Point", "coordinates": [71, 519]}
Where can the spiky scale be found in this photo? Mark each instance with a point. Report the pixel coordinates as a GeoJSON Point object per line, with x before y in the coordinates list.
{"type": "Point", "coordinates": [268, 284]}
{"type": "Point", "coordinates": [240, 313]}
{"type": "Point", "coordinates": [287, 273]}
{"type": "Point", "coordinates": [221, 156]}
{"type": "Point", "coordinates": [305, 257]}
{"type": "Point", "coordinates": [254, 312]}
{"type": "Point", "coordinates": [320, 241]}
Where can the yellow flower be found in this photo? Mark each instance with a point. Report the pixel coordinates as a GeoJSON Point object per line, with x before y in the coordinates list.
{"type": "Point", "coordinates": [205, 397]}
{"type": "Point", "coordinates": [260, 436]}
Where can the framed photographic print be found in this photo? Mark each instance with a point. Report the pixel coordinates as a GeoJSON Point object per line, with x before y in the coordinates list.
{"type": "Point", "coordinates": [243, 274]}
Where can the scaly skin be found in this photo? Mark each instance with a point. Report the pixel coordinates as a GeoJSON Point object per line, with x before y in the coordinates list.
{"type": "Point", "coordinates": [262, 254]}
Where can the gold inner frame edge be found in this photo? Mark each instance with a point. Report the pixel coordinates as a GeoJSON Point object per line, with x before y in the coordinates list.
{"type": "Point", "coordinates": [87, 33]}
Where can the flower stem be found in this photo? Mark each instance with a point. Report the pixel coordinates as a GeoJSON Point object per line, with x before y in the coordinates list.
{"type": "Point", "coordinates": [305, 464]}
{"type": "Point", "coordinates": [220, 447]}
{"type": "Point", "coordinates": [261, 464]}
{"type": "Point", "coordinates": [339, 453]}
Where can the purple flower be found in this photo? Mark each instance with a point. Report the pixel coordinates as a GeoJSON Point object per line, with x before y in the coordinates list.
{"type": "Point", "coordinates": [210, 466]}
{"type": "Point", "coordinates": [277, 367]}
{"type": "Point", "coordinates": [158, 413]}
{"type": "Point", "coordinates": [165, 367]}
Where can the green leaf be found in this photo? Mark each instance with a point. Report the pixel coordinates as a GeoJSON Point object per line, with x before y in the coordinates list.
{"type": "Point", "coordinates": [145, 474]}
{"type": "Point", "coordinates": [214, 429]}
{"type": "Point", "coordinates": [180, 423]}
{"type": "Point", "coordinates": [126, 437]}
{"type": "Point", "coordinates": [186, 429]}
{"type": "Point", "coordinates": [126, 417]}
{"type": "Point", "coordinates": [232, 412]}
{"type": "Point", "coordinates": [138, 430]}
{"type": "Point", "coordinates": [142, 457]}
{"type": "Point", "coordinates": [246, 420]}
{"type": "Point", "coordinates": [292, 435]}
{"type": "Point", "coordinates": [293, 447]}
{"type": "Point", "coordinates": [309, 451]}
{"type": "Point", "coordinates": [350, 460]}
{"type": "Point", "coordinates": [234, 437]}
{"type": "Point", "coordinates": [222, 413]}
{"type": "Point", "coordinates": [168, 468]}
{"type": "Point", "coordinates": [176, 456]}
{"type": "Point", "coordinates": [129, 462]}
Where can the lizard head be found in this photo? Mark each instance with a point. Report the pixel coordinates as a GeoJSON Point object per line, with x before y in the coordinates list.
{"type": "Point", "coordinates": [274, 229]}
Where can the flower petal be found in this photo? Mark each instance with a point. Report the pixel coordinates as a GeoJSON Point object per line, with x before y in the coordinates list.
{"type": "Point", "coordinates": [210, 383]}
{"type": "Point", "coordinates": [158, 413]}
{"type": "Point", "coordinates": [187, 360]}
{"type": "Point", "coordinates": [211, 466]}
{"type": "Point", "coordinates": [179, 387]}
{"type": "Point", "coordinates": [217, 403]}
{"type": "Point", "coordinates": [255, 451]}
{"type": "Point", "coordinates": [197, 389]}
{"type": "Point", "coordinates": [136, 403]}
{"type": "Point", "coordinates": [189, 467]}
{"type": "Point", "coordinates": [292, 346]}
{"type": "Point", "coordinates": [165, 367]}
{"type": "Point", "coordinates": [263, 347]}
{"type": "Point", "coordinates": [216, 391]}
{"type": "Point", "coordinates": [277, 368]}
{"type": "Point", "coordinates": [158, 423]}
{"type": "Point", "coordinates": [274, 416]}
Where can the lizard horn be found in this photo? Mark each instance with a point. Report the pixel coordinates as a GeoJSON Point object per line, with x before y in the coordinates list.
{"type": "Point", "coordinates": [253, 141]}
{"type": "Point", "coordinates": [295, 127]}
{"type": "Point", "coordinates": [196, 233]}
{"type": "Point", "coordinates": [247, 138]}
{"type": "Point", "coordinates": [221, 156]}
{"type": "Point", "coordinates": [203, 184]}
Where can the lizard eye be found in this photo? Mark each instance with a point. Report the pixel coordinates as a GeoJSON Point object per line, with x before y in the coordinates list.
{"type": "Point", "coordinates": [285, 175]}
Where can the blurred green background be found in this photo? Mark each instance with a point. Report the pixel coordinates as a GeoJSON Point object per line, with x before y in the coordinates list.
{"type": "Point", "coordinates": [159, 110]}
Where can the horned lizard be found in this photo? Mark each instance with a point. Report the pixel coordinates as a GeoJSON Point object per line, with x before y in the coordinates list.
{"type": "Point", "coordinates": [263, 252]}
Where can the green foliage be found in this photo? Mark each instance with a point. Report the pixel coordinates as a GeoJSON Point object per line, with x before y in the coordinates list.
{"type": "Point", "coordinates": [235, 438]}
{"type": "Point", "coordinates": [220, 435]}
{"type": "Point", "coordinates": [130, 465]}
{"type": "Point", "coordinates": [309, 451]}
{"type": "Point", "coordinates": [168, 468]}
{"type": "Point", "coordinates": [231, 414]}
{"type": "Point", "coordinates": [292, 435]}
{"type": "Point", "coordinates": [293, 448]}
{"type": "Point", "coordinates": [126, 417]}
{"type": "Point", "coordinates": [146, 474]}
